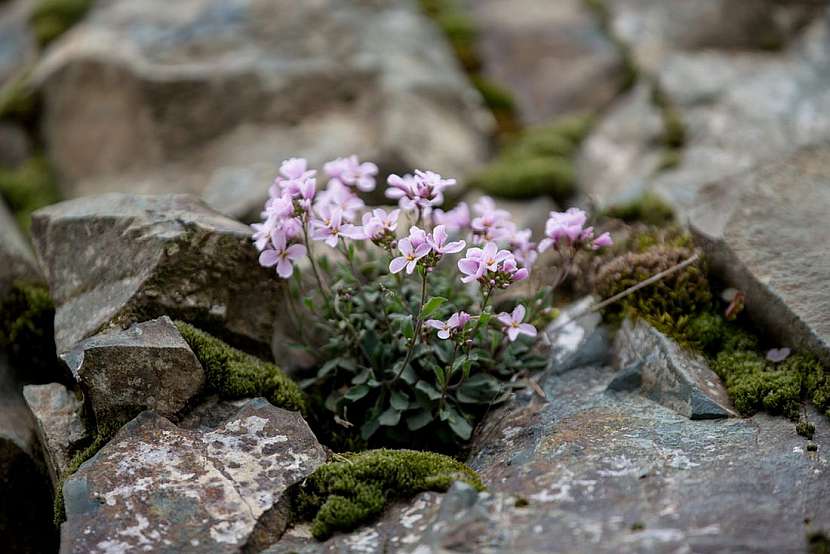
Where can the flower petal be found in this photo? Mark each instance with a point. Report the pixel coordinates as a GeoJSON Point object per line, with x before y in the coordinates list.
{"type": "Point", "coordinates": [268, 258]}
{"type": "Point", "coordinates": [518, 313]}
{"type": "Point", "coordinates": [396, 265]}
{"type": "Point", "coordinates": [284, 268]}
{"type": "Point", "coordinates": [527, 329]}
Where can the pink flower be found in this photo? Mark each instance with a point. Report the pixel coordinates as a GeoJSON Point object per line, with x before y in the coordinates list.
{"type": "Point", "coordinates": [417, 237]}
{"type": "Point", "coordinates": [563, 227]}
{"type": "Point", "coordinates": [455, 219]}
{"type": "Point", "coordinates": [524, 250]}
{"type": "Point", "coordinates": [778, 354]}
{"type": "Point", "coordinates": [337, 195]}
{"type": "Point", "coordinates": [456, 321]}
{"type": "Point", "coordinates": [410, 256]}
{"type": "Point", "coordinates": [512, 271]}
{"type": "Point", "coordinates": [331, 228]}
{"type": "Point", "coordinates": [602, 240]}
{"type": "Point", "coordinates": [439, 244]}
{"type": "Point", "coordinates": [281, 255]}
{"type": "Point", "coordinates": [422, 191]}
{"type": "Point", "coordinates": [295, 168]}
{"type": "Point", "coordinates": [350, 172]}
{"type": "Point", "coordinates": [378, 222]}
{"type": "Point", "coordinates": [478, 261]}
{"type": "Point", "coordinates": [513, 323]}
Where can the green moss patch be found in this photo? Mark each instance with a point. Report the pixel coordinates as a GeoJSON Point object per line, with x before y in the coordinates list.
{"type": "Point", "coordinates": [18, 99]}
{"type": "Point", "coordinates": [235, 374]}
{"type": "Point", "coordinates": [52, 18]}
{"type": "Point", "coordinates": [537, 162]}
{"type": "Point", "coordinates": [28, 188]}
{"type": "Point", "coordinates": [341, 495]}
{"type": "Point", "coordinates": [27, 317]}
{"type": "Point", "coordinates": [648, 208]}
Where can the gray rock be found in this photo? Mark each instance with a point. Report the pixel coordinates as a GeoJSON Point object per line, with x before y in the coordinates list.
{"type": "Point", "coordinates": [553, 57]}
{"type": "Point", "coordinates": [25, 493]}
{"type": "Point", "coordinates": [161, 488]}
{"type": "Point", "coordinates": [58, 417]}
{"type": "Point", "coordinates": [576, 341]}
{"type": "Point", "coordinates": [763, 233]}
{"type": "Point", "coordinates": [17, 262]}
{"type": "Point", "coordinates": [671, 375]}
{"type": "Point", "coordinates": [206, 96]}
{"type": "Point", "coordinates": [148, 366]}
{"type": "Point", "coordinates": [167, 254]}
{"type": "Point", "coordinates": [15, 146]}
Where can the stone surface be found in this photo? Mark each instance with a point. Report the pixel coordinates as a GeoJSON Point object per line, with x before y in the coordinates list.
{"type": "Point", "coordinates": [17, 43]}
{"type": "Point", "coordinates": [669, 374]}
{"type": "Point", "coordinates": [157, 487]}
{"type": "Point", "coordinates": [552, 56]}
{"type": "Point", "coordinates": [763, 231]}
{"type": "Point", "coordinates": [25, 495]}
{"type": "Point", "coordinates": [654, 29]}
{"type": "Point", "coordinates": [206, 96]}
{"type": "Point", "coordinates": [148, 366]}
{"type": "Point", "coordinates": [15, 146]}
{"type": "Point", "coordinates": [739, 108]}
{"type": "Point", "coordinates": [57, 414]}
{"type": "Point", "coordinates": [118, 258]}
{"type": "Point", "coordinates": [576, 341]}
{"type": "Point", "coordinates": [17, 262]}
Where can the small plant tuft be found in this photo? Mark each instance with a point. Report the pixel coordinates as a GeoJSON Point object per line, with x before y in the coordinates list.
{"type": "Point", "coordinates": [27, 188]}
{"type": "Point", "coordinates": [341, 495]}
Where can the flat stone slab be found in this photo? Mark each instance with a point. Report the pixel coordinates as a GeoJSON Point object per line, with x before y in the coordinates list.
{"type": "Point", "coordinates": [165, 255]}
{"type": "Point", "coordinates": [764, 232]}
{"type": "Point", "coordinates": [669, 374]}
{"type": "Point", "coordinates": [60, 428]}
{"type": "Point", "coordinates": [161, 488]}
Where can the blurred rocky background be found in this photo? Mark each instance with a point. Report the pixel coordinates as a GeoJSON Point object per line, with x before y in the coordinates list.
{"type": "Point", "coordinates": [713, 112]}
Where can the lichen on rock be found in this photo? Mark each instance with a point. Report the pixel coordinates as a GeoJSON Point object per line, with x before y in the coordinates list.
{"type": "Point", "coordinates": [341, 495]}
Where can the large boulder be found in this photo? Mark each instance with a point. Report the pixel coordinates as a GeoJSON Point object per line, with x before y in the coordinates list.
{"type": "Point", "coordinates": [25, 493]}
{"type": "Point", "coordinates": [57, 413]}
{"type": "Point", "coordinates": [724, 111]}
{"type": "Point", "coordinates": [162, 488]}
{"type": "Point", "coordinates": [146, 367]}
{"type": "Point", "coordinates": [116, 259]}
{"type": "Point", "coordinates": [17, 262]}
{"type": "Point", "coordinates": [553, 57]}
{"type": "Point", "coordinates": [206, 96]}
{"type": "Point", "coordinates": [763, 231]}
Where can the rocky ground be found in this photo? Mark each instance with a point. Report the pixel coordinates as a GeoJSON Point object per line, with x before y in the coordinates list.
{"type": "Point", "coordinates": [629, 441]}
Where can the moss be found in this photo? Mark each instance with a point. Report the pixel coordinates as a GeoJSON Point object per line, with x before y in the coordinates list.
{"type": "Point", "coordinates": [235, 374]}
{"type": "Point", "coordinates": [341, 495]}
{"type": "Point", "coordinates": [27, 317]}
{"type": "Point", "coordinates": [755, 385]}
{"type": "Point", "coordinates": [538, 162]}
{"type": "Point", "coordinates": [818, 543]}
{"type": "Point", "coordinates": [648, 208]}
{"type": "Point", "coordinates": [812, 447]}
{"type": "Point", "coordinates": [670, 159]}
{"type": "Point", "coordinates": [805, 429]}
{"type": "Point", "coordinates": [27, 188]}
{"type": "Point", "coordinates": [18, 99]}
{"type": "Point", "coordinates": [668, 304]}
{"type": "Point", "coordinates": [521, 502]}
{"type": "Point", "coordinates": [51, 18]}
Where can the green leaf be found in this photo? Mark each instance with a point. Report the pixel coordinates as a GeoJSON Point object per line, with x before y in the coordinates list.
{"type": "Point", "coordinates": [399, 400]}
{"type": "Point", "coordinates": [420, 420]}
{"type": "Point", "coordinates": [406, 327]}
{"type": "Point", "coordinates": [356, 393]}
{"type": "Point", "coordinates": [390, 417]}
{"type": "Point", "coordinates": [362, 377]}
{"type": "Point", "coordinates": [408, 375]}
{"type": "Point", "coordinates": [431, 392]}
{"type": "Point", "coordinates": [432, 304]}
{"type": "Point", "coordinates": [459, 425]}
{"type": "Point", "coordinates": [478, 389]}
{"type": "Point", "coordinates": [485, 319]}
{"type": "Point", "coordinates": [326, 368]}
{"type": "Point", "coordinates": [439, 375]}
{"type": "Point", "coordinates": [369, 428]}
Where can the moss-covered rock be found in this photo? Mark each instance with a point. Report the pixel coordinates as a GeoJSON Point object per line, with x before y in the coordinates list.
{"type": "Point", "coordinates": [235, 374]}
{"type": "Point", "coordinates": [27, 325]}
{"type": "Point", "coordinates": [649, 208]}
{"type": "Point", "coordinates": [52, 18]}
{"type": "Point", "coordinates": [27, 188]}
{"type": "Point", "coordinates": [341, 495]}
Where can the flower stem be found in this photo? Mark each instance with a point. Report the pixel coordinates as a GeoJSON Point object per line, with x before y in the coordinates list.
{"type": "Point", "coordinates": [314, 270]}
{"type": "Point", "coordinates": [418, 323]}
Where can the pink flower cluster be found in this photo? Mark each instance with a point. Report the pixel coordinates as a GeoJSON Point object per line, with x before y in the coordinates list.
{"type": "Point", "coordinates": [424, 248]}
{"type": "Point", "coordinates": [567, 229]}
{"type": "Point", "coordinates": [491, 267]}
{"type": "Point", "coordinates": [453, 326]}
{"type": "Point", "coordinates": [422, 191]}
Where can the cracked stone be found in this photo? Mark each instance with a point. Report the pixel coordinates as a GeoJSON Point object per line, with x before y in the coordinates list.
{"type": "Point", "coordinates": [159, 487]}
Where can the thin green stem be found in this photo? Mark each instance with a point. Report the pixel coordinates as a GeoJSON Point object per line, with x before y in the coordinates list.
{"type": "Point", "coordinates": [310, 254]}
{"type": "Point", "coordinates": [418, 323]}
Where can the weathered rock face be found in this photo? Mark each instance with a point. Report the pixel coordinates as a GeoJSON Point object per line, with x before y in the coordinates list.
{"type": "Point", "coordinates": [25, 495]}
{"type": "Point", "coordinates": [552, 56]}
{"type": "Point", "coordinates": [17, 262]}
{"type": "Point", "coordinates": [656, 28]}
{"type": "Point", "coordinates": [60, 428]}
{"type": "Point", "coordinates": [576, 338]}
{"type": "Point", "coordinates": [764, 232]}
{"type": "Point", "coordinates": [117, 259]}
{"type": "Point", "coordinates": [670, 375]}
{"type": "Point", "coordinates": [206, 96]}
{"type": "Point", "coordinates": [738, 107]}
{"type": "Point", "coordinates": [146, 367]}
{"type": "Point", "coordinates": [162, 488]}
